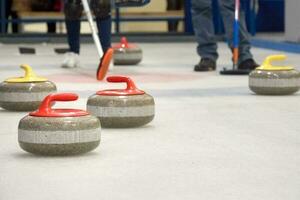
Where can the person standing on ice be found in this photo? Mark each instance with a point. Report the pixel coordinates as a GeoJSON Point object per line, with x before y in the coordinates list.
{"type": "Point", "coordinates": [73, 12]}
{"type": "Point", "coordinates": [171, 6]}
{"type": "Point", "coordinates": [204, 31]}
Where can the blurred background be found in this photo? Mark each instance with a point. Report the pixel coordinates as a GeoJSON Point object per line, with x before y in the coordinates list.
{"type": "Point", "coordinates": [45, 18]}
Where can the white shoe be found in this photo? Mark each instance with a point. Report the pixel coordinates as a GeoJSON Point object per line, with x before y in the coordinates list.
{"type": "Point", "coordinates": [71, 60]}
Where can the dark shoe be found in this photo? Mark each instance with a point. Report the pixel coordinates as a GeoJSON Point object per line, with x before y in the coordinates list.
{"type": "Point", "coordinates": [205, 64]}
{"type": "Point", "coordinates": [248, 64]}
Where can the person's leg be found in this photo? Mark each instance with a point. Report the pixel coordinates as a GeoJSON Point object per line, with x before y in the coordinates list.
{"type": "Point", "coordinates": [172, 5]}
{"type": "Point", "coordinates": [51, 26]}
{"type": "Point", "coordinates": [204, 29]}
{"type": "Point", "coordinates": [15, 26]}
{"type": "Point", "coordinates": [102, 11]}
{"type": "Point", "coordinates": [8, 7]}
{"type": "Point", "coordinates": [227, 8]}
{"type": "Point", "coordinates": [180, 4]}
{"type": "Point", "coordinates": [73, 11]}
{"type": "Point", "coordinates": [104, 27]}
{"type": "Point", "coordinates": [73, 33]}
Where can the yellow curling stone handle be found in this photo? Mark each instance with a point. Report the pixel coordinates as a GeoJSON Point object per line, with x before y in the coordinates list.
{"type": "Point", "coordinates": [267, 64]}
{"type": "Point", "coordinates": [29, 77]}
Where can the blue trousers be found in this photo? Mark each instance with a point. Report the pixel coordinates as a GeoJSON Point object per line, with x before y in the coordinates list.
{"type": "Point", "coordinates": [103, 21]}
{"type": "Point", "coordinates": [204, 29]}
{"type": "Point", "coordinates": [73, 32]}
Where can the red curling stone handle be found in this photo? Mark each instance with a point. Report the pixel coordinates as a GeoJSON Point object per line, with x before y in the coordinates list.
{"type": "Point", "coordinates": [46, 105]}
{"type": "Point", "coordinates": [122, 79]}
{"type": "Point", "coordinates": [131, 88]}
{"type": "Point", "coordinates": [45, 109]}
{"type": "Point", "coordinates": [124, 42]}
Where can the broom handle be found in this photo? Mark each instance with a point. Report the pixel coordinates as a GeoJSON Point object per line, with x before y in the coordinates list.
{"type": "Point", "coordinates": [93, 27]}
{"type": "Point", "coordinates": [236, 34]}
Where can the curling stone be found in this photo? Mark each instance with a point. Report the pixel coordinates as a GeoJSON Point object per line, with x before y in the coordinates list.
{"type": "Point", "coordinates": [127, 54]}
{"type": "Point", "coordinates": [24, 93]}
{"type": "Point", "coordinates": [274, 80]}
{"type": "Point", "coordinates": [59, 132]}
{"type": "Point", "coordinates": [122, 108]}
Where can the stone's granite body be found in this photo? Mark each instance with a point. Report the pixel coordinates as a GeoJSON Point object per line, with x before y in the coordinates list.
{"type": "Point", "coordinates": [122, 111]}
{"type": "Point", "coordinates": [128, 56]}
{"type": "Point", "coordinates": [59, 136]}
{"type": "Point", "coordinates": [24, 96]}
{"type": "Point", "coordinates": [274, 82]}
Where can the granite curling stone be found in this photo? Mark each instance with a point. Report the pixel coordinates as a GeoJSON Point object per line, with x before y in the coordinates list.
{"type": "Point", "coordinates": [126, 53]}
{"type": "Point", "coordinates": [59, 132]}
{"type": "Point", "coordinates": [122, 108]}
{"type": "Point", "coordinates": [25, 93]}
{"type": "Point", "coordinates": [274, 80]}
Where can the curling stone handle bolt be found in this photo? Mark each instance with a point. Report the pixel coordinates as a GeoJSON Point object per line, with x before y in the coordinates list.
{"type": "Point", "coordinates": [122, 79]}
{"type": "Point", "coordinates": [47, 103]}
{"type": "Point", "coordinates": [28, 71]}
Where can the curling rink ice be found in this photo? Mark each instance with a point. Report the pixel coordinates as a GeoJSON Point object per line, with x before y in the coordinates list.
{"type": "Point", "coordinates": [211, 138]}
